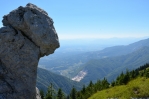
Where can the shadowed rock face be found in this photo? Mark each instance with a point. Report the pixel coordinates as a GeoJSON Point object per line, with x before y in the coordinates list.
{"type": "Point", "coordinates": [27, 35]}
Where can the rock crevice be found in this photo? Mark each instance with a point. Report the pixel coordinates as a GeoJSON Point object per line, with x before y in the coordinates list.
{"type": "Point", "coordinates": [27, 35]}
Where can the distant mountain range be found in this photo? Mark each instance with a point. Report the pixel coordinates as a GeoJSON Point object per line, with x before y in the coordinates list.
{"type": "Point", "coordinates": [91, 66]}
{"type": "Point", "coordinates": [69, 64]}
{"type": "Point", "coordinates": [117, 50]}
{"type": "Point", "coordinates": [112, 66]}
{"type": "Point", "coordinates": [45, 78]}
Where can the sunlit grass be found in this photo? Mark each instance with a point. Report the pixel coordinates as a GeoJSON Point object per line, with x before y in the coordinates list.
{"type": "Point", "coordinates": [138, 88]}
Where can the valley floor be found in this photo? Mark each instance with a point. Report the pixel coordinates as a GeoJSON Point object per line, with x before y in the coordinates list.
{"type": "Point", "coordinates": [137, 88]}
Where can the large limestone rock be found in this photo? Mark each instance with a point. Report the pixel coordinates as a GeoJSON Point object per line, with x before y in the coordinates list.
{"type": "Point", "coordinates": [27, 35]}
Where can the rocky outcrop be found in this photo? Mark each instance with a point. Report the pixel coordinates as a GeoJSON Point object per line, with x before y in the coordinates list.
{"type": "Point", "coordinates": [38, 94]}
{"type": "Point", "coordinates": [27, 35]}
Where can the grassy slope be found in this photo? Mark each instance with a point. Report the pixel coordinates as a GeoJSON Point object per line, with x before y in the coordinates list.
{"type": "Point", "coordinates": [138, 88]}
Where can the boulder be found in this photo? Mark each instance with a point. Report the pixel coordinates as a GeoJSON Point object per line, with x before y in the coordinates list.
{"type": "Point", "coordinates": [27, 35]}
{"type": "Point", "coordinates": [36, 25]}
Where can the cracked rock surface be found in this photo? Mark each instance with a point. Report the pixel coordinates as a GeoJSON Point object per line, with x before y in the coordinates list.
{"type": "Point", "coordinates": [27, 35]}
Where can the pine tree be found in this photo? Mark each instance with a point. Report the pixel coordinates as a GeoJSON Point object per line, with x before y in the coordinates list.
{"type": "Point", "coordinates": [132, 74]}
{"type": "Point", "coordinates": [91, 84]}
{"type": "Point", "coordinates": [50, 93]}
{"type": "Point", "coordinates": [83, 89]}
{"type": "Point", "coordinates": [121, 78]}
{"type": "Point", "coordinates": [105, 84]}
{"type": "Point", "coordinates": [68, 97]}
{"type": "Point", "coordinates": [42, 94]}
{"type": "Point", "coordinates": [73, 93]}
{"type": "Point", "coordinates": [60, 94]}
{"type": "Point", "coordinates": [147, 73]}
{"type": "Point", "coordinates": [126, 77]}
{"type": "Point", "coordinates": [98, 85]}
{"type": "Point", "coordinates": [113, 83]}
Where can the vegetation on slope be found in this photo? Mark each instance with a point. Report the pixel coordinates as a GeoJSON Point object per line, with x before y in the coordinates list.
{"type": "Point", "coordinates": [45, 78]}
{"type": "Point", "coordinates": [111, 67]}
{"type": "Point", "coordinates": [123, 80]}
{"type": "Point", "coordinates": [133, 84]}
{"type": "Point", "coordinates": [137, 88]}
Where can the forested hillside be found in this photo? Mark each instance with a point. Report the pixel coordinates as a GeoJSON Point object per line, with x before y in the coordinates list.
{"type": "Point", "coordinates": [45, 78]}
{"type": "Point", "coordinates": [111, 67]}
{"type": "Point", "coordinates": [128, 84]}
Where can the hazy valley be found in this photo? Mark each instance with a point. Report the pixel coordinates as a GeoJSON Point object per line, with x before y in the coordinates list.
{"type": "Point", "coordinates": [71, 63]}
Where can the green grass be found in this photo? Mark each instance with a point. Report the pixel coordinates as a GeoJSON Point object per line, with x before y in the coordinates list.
{"type": "Point", "coordinates": [137, 88]}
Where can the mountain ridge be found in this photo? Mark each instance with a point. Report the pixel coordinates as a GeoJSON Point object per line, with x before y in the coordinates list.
{"type": "Point", "coordinates": [66, 64]}
{"type": "Point", "coordinates": [112, 66]}
{"type": "Point", "coordinates": [45, 78]}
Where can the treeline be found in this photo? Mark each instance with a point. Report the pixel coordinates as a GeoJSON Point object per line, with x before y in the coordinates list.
{"type": "Point", "coordinates": [52, 94]}
{"type": "Point", "coordinates": [87, 91]}
{"type": "Point", "coordinates": [123, 79]}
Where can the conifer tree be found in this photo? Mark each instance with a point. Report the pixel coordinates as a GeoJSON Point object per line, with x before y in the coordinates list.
{"type": "Point", "coordinates": [60, 94]}
{"type": "Point", "coordinates": [42, 94]}
{"type": "Point", "coordinates": [50, 93]}
{"type": "Point", "coordinates": [105, 83]}
{"type": "Point", "coordinates": [132, 74]}
{"type": "Point", "coordinates": [113, 83]}
{"type": "Point", "coordinates": [73, 93]}
{"type": "Point", "coordinates": [126, 77]}
{"type": "Point", "coordinates": [68, 97]}
{"type": "Point", "coordinates": [83, 89]}
{"type": "Point", "coordinates": [147, 73]}
{"type": "Point", "coordinates": [98, 85]}
{"type": "Point", "coordinates": [91, 84]}
{"type": "Point", "coordinates": [121, 79]}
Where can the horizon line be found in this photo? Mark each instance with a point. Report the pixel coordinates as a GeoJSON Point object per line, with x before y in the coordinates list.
{"type": "Point", "coordinates": [77, 37]}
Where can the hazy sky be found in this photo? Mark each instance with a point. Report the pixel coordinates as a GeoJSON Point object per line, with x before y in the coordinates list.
{"type": "Point", "coordinates": [91, 18]}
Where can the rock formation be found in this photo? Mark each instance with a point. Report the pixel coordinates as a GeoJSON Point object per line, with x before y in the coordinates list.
{"type": "Point", "coordinates": [27, 35]}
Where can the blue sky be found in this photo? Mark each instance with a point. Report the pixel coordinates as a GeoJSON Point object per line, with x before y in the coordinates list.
{"type": "Point", "coordinates": [84, 19]}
